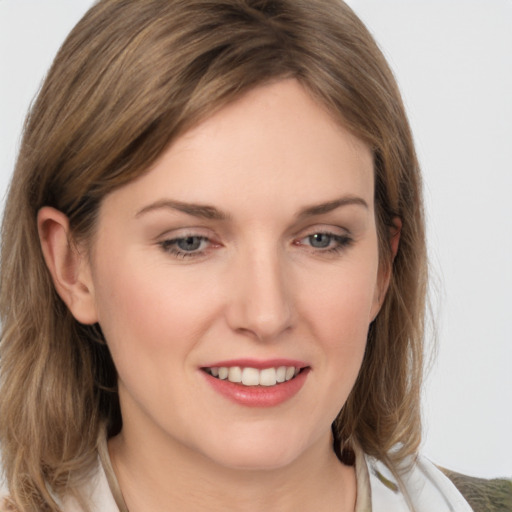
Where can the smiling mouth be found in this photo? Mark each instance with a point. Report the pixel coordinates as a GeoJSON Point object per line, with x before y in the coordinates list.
{"type": "Point", "coordinates": [252, 376]}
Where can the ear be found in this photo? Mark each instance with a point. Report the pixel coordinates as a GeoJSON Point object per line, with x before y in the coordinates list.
{"type": "Point", "coordinates": [70, 270]}
{"type": "Point", "coordinates": [386, 270]}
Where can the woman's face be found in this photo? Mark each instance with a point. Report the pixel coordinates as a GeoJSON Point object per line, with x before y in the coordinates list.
{"type": "Point", "coordinates": [249, 247]}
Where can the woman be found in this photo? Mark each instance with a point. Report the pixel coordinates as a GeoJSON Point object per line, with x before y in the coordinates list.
{"type": "Point", "coordinates": [213, 269]}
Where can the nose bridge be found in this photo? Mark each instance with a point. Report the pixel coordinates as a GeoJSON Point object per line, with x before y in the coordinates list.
{"type": "Point", "coordinates": [260, 302]}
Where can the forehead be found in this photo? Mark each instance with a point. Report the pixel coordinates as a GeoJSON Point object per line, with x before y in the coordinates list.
{"type": "Point", "coordinates": [274, 144]}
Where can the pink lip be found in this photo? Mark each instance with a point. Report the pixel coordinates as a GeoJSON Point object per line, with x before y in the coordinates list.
{"type": "Point", "coordinates": [258, 364]}
{"type": "Point", "coordinates": [258, 396]}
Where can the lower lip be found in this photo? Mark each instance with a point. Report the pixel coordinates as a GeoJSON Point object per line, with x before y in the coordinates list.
{"type": "Point", "coordinates": [258, 396]}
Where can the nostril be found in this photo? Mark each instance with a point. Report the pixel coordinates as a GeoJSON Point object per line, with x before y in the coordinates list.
{"type": "Point", "coordinates": [259, 300]}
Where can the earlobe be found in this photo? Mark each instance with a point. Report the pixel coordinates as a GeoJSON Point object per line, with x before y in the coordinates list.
{"type": "Point", "coordinates": [69, 269]}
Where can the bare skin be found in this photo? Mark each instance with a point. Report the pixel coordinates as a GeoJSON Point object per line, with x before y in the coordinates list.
{"type": "Point", "coordinates": [317, 481]}
{"type": "Point", "coordinates": [253, 237]}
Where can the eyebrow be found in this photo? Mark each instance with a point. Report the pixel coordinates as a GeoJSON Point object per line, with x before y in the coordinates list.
{"type": "Point", "coordinates": [212, 213]}
{"type": "Point", "coordinates": [329, 206]}
{"type": "Point", "coordinates": [196, 210]}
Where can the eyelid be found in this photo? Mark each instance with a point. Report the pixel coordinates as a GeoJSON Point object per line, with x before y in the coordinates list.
{"type": "Point", "coordinates": [183, 232]}
{"type": "Point", "coordinates": [170, 247]}
{"type": "Point", "coordinates": [340, 239]}
{"type": "Point", "coordinates": [330, 234]}
{"type": "Point", "coordinates": [332, 229]}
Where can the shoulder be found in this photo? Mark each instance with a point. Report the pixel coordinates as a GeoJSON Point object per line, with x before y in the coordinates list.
{"type": "Point", "coordinates": [422, 483]}
{"type": "Point", "coordinates": [95, 490]}
{"type": "Point", "coordinates": [483, 495]}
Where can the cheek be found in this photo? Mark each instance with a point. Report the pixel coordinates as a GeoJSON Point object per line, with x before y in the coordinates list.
{"type": "Point", "coordinates": [339, 317]}
{"type": "Point", "coordinates": [146, 311]}
{"type": "Point", "coordinates": [152, 319]}
{"type": "Point", "coordinates": [342, 304]}
{"type": "Point", "coordinates": [338, 320]}
{"type": "Point", "coordinates": [343, 328]}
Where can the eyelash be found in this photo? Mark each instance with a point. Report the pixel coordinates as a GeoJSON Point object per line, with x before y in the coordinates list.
{"type": "Point", "coordinates": [342, 242]}
{"type": "Point", "coordinates": [171, 246]}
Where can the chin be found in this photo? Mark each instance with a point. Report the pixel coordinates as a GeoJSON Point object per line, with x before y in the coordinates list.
{"type": "Point", "coordinates": [255, 461]}
{"type": "Point", "coordinates": [255, 453]}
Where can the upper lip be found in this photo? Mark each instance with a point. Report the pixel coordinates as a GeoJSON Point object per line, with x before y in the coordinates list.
{"type": "Point", "coordinates": [259, 364]}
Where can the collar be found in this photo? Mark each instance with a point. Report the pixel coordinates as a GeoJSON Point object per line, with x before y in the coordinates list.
{"type": "Point", "coordinates": [377, 489]}
{"type": "Point", "coordinates": [422, 487]}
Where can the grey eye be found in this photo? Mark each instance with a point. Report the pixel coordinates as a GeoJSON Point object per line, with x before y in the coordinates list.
{"type": "Point", "coordinates": [320, 240]}
{"type": "Point", "coordinates": [189, 243]}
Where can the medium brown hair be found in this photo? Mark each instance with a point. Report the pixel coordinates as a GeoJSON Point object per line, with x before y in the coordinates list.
{"type": "Point", "coordinates": [131, 77]}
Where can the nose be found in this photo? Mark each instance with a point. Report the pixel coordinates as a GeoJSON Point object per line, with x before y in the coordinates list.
{"type": "Point", "coordinates": [260, 299]}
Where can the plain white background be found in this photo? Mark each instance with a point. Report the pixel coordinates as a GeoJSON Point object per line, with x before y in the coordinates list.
{"type": "Point", "coordinates": [453, 61]}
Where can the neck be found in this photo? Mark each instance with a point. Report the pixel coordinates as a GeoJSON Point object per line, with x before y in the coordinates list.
{"type": "Point", "coordinates": [170, 476]}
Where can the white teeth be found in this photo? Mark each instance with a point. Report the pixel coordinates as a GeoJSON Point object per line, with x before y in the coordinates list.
{"type": "Point", "coordinates": [254, 377]}
{"type": "Point", "coordinates": [268, 377]}
{"type": "Point", "coordinates": [290, 372]}
{"type": "Point", "coordinates": [250, 377]}
{"type": "Point", "coordinates": [235, 374]}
